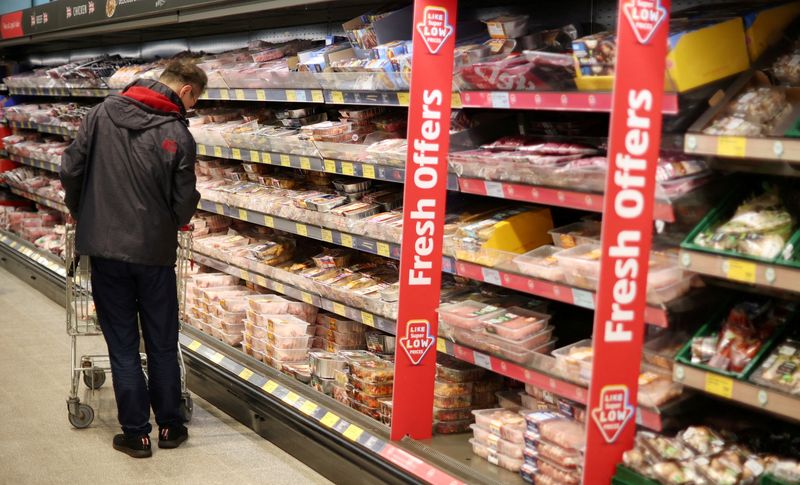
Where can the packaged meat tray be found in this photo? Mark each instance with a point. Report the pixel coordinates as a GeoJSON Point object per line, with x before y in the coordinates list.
{"type": "Point", "coordinates": [286, 355]}
{"type": "Point", "coordinates": [507, 26]}
{"type": "Point", "coordinates": [451, 427]}
{"type": "Point", "coordinates": [760, 105]}
{"type": "Point", "coordinates": [516, 324]}
{"type": "Point", "coordinates": [656, 389]}
{"type": "Point", "coordinates": [781, 370]}
{"type": "Point", "coordinates": [560, 475]}
{"type": "Point", "coordinates": [575, 361]}
{"type": "Point", "coordinates": [286, 326]}
{"type": "Point", "coordinates": [373, 413]}
{"type": "Point", "coordinates": [467, 314]}
{"type": "Point", "coordinates": [256, 343]}
{"type": "Point", "coordinates": [450, 369]}
{"type": "Point", "coordinates": [581, 265]}
{"type": "Point", "coordinates": [541, 263]}
{"type": "Point", "coordinates": [567, 459]}
{"type": "Point", "coordinates": [441, 414]}
{"type": "Point", "coordinates": [494, 419]}
{"type": "Point", "coordinates": [496, 443]}
{"type": "Point", "coordinates": [557, 429]}
{"type": "Point", "coordinates": [379, 389]}
{"type": "Point", "coordinates": [452, 402]}
{"type": "Point", "coordinates": [366, 398]}
{"type": "Point", "coordinates": [787, 69]}
{"type": "Point", "coordinates": [569, 236]}
{"type": "Point", "coordinates": [374, 370]}
{"type": "Point", "coordinates": [510, 464]}
{"type": "Point", "coordinates": [289, 343]}
{"type": "Point", "coordinates": [447, 389]}
{"type": "Point", "coordinates": [661, 350]}
{"type": "Point", "coordinates": [230, 338]}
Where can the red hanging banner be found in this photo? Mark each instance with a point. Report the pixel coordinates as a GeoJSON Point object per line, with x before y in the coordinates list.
{"type": "Point", "coordinates": [634, 142]}
{"type": "Point", "coordinates": [423, 217]}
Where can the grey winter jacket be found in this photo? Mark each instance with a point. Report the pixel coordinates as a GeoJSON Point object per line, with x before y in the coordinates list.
{"type": "Point", "coordinates": [129, 176]}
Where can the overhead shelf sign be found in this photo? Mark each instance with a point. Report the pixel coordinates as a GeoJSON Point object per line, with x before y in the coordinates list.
{"type": "Point", "coordinates": [424, 198]}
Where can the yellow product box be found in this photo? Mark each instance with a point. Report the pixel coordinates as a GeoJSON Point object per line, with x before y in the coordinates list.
{"type": "Point", "coordinates": [700, 52]}
{"type": "Point", "coordinates": [766, 27]}
{"type": "Point", "coordinates": [491, 241]}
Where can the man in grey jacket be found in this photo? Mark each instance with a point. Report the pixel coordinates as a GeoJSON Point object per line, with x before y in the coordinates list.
{"type": "Point", "coordinates": [130, 185]}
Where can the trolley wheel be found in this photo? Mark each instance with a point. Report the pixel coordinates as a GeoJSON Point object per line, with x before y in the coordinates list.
{"type": "Point", "coordinates": [83, 418]}
{"type": "Point", "coordinates": [97, 382]}
{"type": "Point", "coordinates": [187, 408]}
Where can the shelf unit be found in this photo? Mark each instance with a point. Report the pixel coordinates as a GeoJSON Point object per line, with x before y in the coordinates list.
{"type": "Point", "coordinates": [37, 163]}
{"type": "Point", "coordinates": [576, 101]}
{"type": "Point", "coordinates": [52, 204]}
{"type": "Point", "coordinates": [741, 392]}
{"type": "Point", "coordinates": [742, 270]}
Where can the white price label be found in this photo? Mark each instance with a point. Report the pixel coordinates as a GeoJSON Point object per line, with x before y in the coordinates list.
{"type": "Point", "coordinates": [583, 298]}
{"type": "Point", "coordinates": [482, 360]}
{"type": "Point", "coordinates": [491, 276]}
{"type": "Point", "coordinates": [494, 189]}
{"type": "Point", "coordinates": [500, 99]}
{"type": "Point", "coordinates": [301, 96]}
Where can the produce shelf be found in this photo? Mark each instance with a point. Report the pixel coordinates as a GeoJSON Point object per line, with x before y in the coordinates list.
{"type": "Point", "coordinates": [742, 392]}
{"type": "Point", "coordinates": [742, 270]}
{"type": "Point", "coordinates": [35, 162]}
{"type": "Point", "coordinates": [40, 200]}
{"type": "Point", "coordinates": [274, 95]}
{"type": "Point", "coordinates": [551, 100]}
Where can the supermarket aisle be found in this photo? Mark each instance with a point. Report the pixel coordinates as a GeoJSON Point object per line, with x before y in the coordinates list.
{"type": "Point", "coordinates": [39, 446]}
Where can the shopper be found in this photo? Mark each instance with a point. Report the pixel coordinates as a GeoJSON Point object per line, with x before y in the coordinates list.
{"type": "Point", "coordinates": [130, 184]}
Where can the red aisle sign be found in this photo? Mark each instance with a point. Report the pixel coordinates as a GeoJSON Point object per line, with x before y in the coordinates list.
{"type": "Point", "coordinates": [634, 143]}
{"type": "Point", "coordinates": [423, 217]}
{"type": "Point", "coordinates": [11, 25]}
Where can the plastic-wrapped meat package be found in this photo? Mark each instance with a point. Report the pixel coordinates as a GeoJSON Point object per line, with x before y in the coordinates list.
{"type": "Point", "coordinates": [518, 73]}
{"type": "Point", "coordinates": [734, 126]}
{"type": "Point", "coordinates": [787, 69]}
{"type": "Point", "coordinates": [656, 389]}
{"type": "Point", "coordinates": [568, 459]}
{"type": "Point", "coordinates": [557, 429]}
{"type": "Point", "coordinates": [760, 105]}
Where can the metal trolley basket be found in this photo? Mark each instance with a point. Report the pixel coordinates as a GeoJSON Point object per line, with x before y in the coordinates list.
{"type": "Point", "coordinates": [82, 321]}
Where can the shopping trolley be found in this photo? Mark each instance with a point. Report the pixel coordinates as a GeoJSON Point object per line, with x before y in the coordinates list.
{"type": "Point", "coordinates": [82, 321]}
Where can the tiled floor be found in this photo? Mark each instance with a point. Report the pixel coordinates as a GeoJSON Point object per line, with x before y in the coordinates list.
{"type": "Point", "coordinates": [39, 446]}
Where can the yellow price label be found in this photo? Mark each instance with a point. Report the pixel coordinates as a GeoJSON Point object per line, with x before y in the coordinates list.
{"type": "Point", "coordinates": [242, 214]}
{"type": "Point", "coordinates": [441, 345]}
{"type": "Point", "coordinates": [224, 94]}
{"type": "Point", "coordinates": [327, 235]}
{"type": "Point", "coordinates": [265, 157]}
{"type": "Point", "coordinates": [201, 149]}
{"type": "Point", "coordinates": [255, 156]}
{"type": "Point", "coordinates": [291, 95]}
{"type": "Point", "coordinates": [347, 168]}
{"type": "Point", "coordinates": [261, 281]}
{"type": "Point", "coordinates": [261, 95]}
{"type": "Point", "coordinates": [339, 309]}
{"type": "Point", "coordinates": [308, 298]}
{"type": "Point", "coordinates": [291, 398]}
{"type": "Point", "coordinates": [218, 151]}
{"type": "Point", "coordinates": [194, 345]}
{"type": "Point", "coordinates": [383, 249]}
{"type": "Point", "coordinates": [305, 163]}
{"type": "Point", "coordinates": [285, 160]}
{"type": "Point", "coordinates": [347, 240]}
{"type": "Point", "coordinates": [731, 146]}
{"type": "Point", "coordinates": [330, 166]}
{"type": "Point", "coordinates": [279, 288]}
{"type": "Point", "coordinates": [308, 407]}
{"type": "Point", "coordinates": [218, 208]}
{"type": "Point", "coordinates": [368, 171]}
{"type": "Point", "coordinates": [269, 221]}
{"type": "Point", "coordinates": [217, 358]}
{"type": "Point", "coordinates": [317, 97]}
{"type": "Point", "coordinates": [236, 153]}
{"type": "Point", "coordinates": [329, 419]}
{"type": "Point", "coordinates": [337, 97]}
{"type": "Point", "coordinates": [353, 432]}
{"type": "Point", "coordinates": [270, 386]}
{"type": "Point", "coordinates": [239, 94]}
{"type": "Point", "coordinates": [719, 385]}
{"type": "Point", "coordinates": [743, 271]}
{"type": "Point", "coordinates": [243, 274]}
{"type": "Point", "coordinates": [301, 229]}
{"type": "Point", "coordinates": [403, 99]}
{"type": "Point", "coordinates": [367, 319]}
{"type": "Point", "coordinates": [246, 373]}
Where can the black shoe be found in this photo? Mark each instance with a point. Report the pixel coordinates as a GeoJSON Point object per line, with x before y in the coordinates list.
{"type": "Point", "coordinates": [135, 446]}
{"type": "Point", "coordinates": [172, 436]}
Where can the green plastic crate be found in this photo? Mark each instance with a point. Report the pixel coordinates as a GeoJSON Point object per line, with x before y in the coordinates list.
{"type": "Point", "coordinates": [768, 479]}
{"type": "Point", "coordinates": [685, 354]}
{"type": "Point", "coordinates": [719, 215]}
{"type": "Point", "coordinates": [627, 476]}
{"type": "Point", "coordinates": [791, 253]}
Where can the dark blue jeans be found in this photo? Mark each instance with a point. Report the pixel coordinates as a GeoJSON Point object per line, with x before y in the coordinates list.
{"type": "Point", "coordinates": [122, 292]}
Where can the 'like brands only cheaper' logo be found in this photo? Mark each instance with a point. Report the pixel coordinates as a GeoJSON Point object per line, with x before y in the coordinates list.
{"type": "Point", "coordinates": [645, 16]}
{"type": "Point", "coordinates": [614, 412]}
{"type": "Point", "coordinates": [418, 340]}
{"type": "Point", "coordinates": [434, 28]}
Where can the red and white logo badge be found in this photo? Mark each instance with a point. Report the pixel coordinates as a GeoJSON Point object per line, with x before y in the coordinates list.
{"type": "Point", "coordinates": [418, 340]}
{"type": "Point", "coordinates": [614, 412]}
{"type": "Point", "coordinates": [645, 16]}
{"type": "Point", "coordinates": [69, 12]}
{"type": "Point", "coordinates": [434, 28]}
